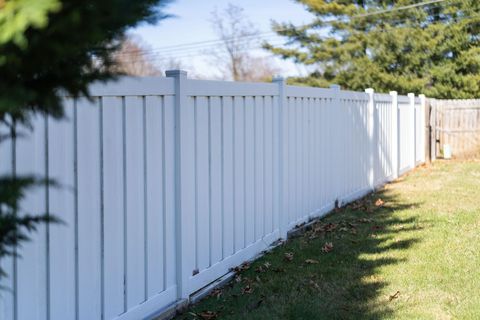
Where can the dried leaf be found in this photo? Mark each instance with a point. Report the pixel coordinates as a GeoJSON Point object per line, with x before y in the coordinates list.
{"type": "Point", "coordinates": [311, 261]}
{"type": "Point", "coordinates": [267, 265]}
{"type": "Point", "coordinates": [327, 247]}
{"type": "Point", "coordinates": [379, 202]}
{"type": "Point", "coordinates": [217, 292]}
{"type": "Point", "coordinates": [314, 285]}
{"type": "Point", "coordinates": [247, 289]}
{"type": "Point", "coordinates": [329, 227]}
{"type": "Point", "coordinates": [260, 269]}
{"type": "Point", "coordinates": [208, 315]}
{"type": "Point", "coordinates": [288, 256]}
{"type": "Point", "coordinates": [244, 266]}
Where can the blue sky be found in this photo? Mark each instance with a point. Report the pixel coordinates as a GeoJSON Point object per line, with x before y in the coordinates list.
{"type": "Point", "coordinates": [191, 24]}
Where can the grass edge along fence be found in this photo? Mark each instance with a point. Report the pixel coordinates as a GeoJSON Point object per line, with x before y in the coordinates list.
{"type": "Point", "coordinates": [170, 182]}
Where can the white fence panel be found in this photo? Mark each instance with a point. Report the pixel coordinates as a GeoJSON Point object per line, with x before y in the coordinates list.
{"type": "Point", "coordinates": [167, 183]}
{"type": "Point", "coordinates": [384, 134]}
{"type": "Point", "coordinates": [238, 155]}
{"type": "Point", "coordinates": [406, 134]}
{"type": "Point", "coordinates": [114, 255]}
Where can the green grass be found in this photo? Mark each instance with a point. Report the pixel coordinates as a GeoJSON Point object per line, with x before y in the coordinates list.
{"type": "Point", "coordinates": [415, 257]}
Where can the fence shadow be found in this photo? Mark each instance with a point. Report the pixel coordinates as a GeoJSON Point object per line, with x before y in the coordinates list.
{"type": "Point", "coordinates": [305, 278]}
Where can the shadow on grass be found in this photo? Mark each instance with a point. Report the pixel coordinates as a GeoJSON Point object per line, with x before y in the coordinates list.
{"type": "Point", "coordinates": [306, 279]}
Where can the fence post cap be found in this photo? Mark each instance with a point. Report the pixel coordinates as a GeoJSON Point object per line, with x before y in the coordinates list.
{"type": "Point", "coordinates": [335, 87]}
{"type": "Point", "coordinates": [393, 93]}
{"type": "Point", "coordinates": [422, 96]}
{"type": "Point", "coordinates": [411, 95]}
{"type": "Point", "coordinates": [369, 90]}
{"type": "Point", "coordinates": [278, 78]}
{"type": "Point", "coordinates": [175, 73]}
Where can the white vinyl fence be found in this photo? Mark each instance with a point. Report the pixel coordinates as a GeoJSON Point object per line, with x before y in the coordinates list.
{"type": "Point", "coordinates": [167, 183]}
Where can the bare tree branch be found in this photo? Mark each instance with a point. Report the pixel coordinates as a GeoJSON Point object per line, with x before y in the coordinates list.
{"type": "Point", "coordinates": [238, 34]}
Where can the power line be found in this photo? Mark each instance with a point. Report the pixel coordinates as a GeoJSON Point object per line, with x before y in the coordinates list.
{"type": "Point", "coordinates": [241, 41]}
{"type": "Point", "coordinates": [394, 9]}
{"type": "Point", "coordinates": [215, 42]}
{"type": "Point", "coordinates": [192, 49]}
{"type": "Point", "coordinates": [460, 19]}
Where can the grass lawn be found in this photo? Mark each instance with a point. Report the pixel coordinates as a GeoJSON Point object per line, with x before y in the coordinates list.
{"type": "Point", "coordinates": [415, 254]}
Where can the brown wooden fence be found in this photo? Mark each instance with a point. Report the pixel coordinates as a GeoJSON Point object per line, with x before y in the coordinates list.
{"type": "Point", "coordinates": [455, 123]}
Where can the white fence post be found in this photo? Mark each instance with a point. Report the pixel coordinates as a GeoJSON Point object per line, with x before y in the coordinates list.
{"type": "Point", "coordinates": [282, 154]}
{"type": "Point", "coordinates": [335, 149]}
{"type": "Point", "coordinates": [183, 225]}
{"type": "Point", "coordinates": [412, 129]}
{"type": "Point", "coordinates": [396, 128]}
{"type": "Point", "coordinates": [372, 143]}
{"type": "Point", "coordinates": [423, 105]}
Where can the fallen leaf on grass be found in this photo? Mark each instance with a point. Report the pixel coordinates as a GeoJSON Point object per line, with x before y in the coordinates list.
{"type": "Point", "coordinates": [327, 247]}
{"type": "Point", "coordinates": [288, 256]}
{"type": "Point", "coordinates": [205, 315]}
{"type": "Point", "coordinates": [314, 285]}
{"type": "Point", "coordinates": [244, 266]}
{"type": "Point", "coordinates": [217, 292]}
{"type": "Point", "coordinates": [329, 227]}
{"type": "Point", "coordinates": [299, 225]}
{"type": "Point", "coordinates": [311, 261]}
{"type": "Point", "coordinates": [379, 202]}
{"type": "Point", "coordinates": [394, 296]}
{"type": "Point", "coordinates": [208, 315]}
{"type": "Point", "coordinates": [247, 289]}
{"type": "Point", "coordinates": [260, 269]}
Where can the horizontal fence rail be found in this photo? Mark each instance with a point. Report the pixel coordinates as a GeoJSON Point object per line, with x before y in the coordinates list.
{"type": "Point", "coordinates": [168, 183]}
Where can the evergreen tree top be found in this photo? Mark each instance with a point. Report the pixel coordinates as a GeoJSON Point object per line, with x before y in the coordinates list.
{"type": "Point", "coordinates": [405, 45]}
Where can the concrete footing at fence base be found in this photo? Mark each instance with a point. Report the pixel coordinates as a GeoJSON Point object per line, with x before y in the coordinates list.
{"type": "Point", "coordinates": [181, 306]}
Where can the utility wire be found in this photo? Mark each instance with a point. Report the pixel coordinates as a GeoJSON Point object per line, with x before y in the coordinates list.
{"type": "Point", "coordinates": [159, 57]}
{"type": "Point", "coordinates": [214, 42]}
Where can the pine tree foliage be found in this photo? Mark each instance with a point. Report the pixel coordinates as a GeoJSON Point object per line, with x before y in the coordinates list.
{"type": "Point", "coordinates": [49, 49]}
{"type": "Point", "coordinates": [15, 224]}
{"type": "Point", "coordinates": [68, 46]}
{"type": "Point", "coordinates": [431, 49]}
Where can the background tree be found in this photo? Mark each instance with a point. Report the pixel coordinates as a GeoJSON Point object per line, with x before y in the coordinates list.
{"type": "Point", "coordinates": [400, 45]}
{"type": "Point", "coordinates": [48, 47]}
{"type": "Point", "coordinates": [238, 36]}
{"type": "Point", "coordinates": [133, 58]}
